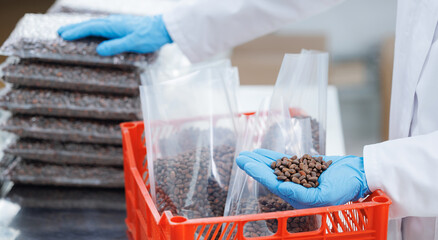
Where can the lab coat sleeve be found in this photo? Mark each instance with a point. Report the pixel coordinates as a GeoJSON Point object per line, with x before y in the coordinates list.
{"type": "Point", "coordinates": [202, 28]}
{"type": "Point", "coordinates": [406, 169]}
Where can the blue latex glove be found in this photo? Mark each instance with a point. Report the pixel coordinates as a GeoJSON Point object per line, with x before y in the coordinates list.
{"type": "Point", "coordinates": [342, 182]}
{"type": "Point", "coordinates": [126, 33]}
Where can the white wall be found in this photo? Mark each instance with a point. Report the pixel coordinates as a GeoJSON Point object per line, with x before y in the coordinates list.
{"type": "Point", "coordinates": [353, 28]}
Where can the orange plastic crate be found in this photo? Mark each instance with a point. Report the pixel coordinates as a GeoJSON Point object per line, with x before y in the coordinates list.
{"type": "Point", "coordinates": [360, 220]}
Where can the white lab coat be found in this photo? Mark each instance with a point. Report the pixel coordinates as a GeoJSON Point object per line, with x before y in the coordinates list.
{"type": "Point", "coordinates": [404, 167]}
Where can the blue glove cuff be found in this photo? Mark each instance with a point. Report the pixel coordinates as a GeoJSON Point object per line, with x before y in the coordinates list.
{"type": "Point", "coordinates": [364, 191]}
{"type": "Point", "coordinates": [163, 29]}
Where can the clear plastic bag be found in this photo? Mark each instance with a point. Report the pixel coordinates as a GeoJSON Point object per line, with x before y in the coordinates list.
{"type": "Point", "coordinates": [283, 124]}
{"type": "Point", "coordinates": [64, 129]}
{"type": "Point", "coordinates": [32, 173]}
{"type": "Point", "coordinates": [71, 77]}
{"type": "Point", "coordinates": [165, 68]}
{"type": "Point", "coordinates": [67, 153]}
{"type": "Point", "coordinates": [71, 104]}
{"type": "Point", "coordinates": [36, 37]}
{"type": "Point", "coordinates": [190, 137]}
{"type": "Point", "coordinates": [135, 7]}
{"type": "Point", "coordinates": [301, 93]}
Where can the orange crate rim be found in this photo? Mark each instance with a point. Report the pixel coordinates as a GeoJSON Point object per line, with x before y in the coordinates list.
{"type": "Point", "coordinates": [360, 220]}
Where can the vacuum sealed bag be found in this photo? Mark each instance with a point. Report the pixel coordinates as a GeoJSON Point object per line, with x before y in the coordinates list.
{"type": "Point", "coordinates": [71, 77]}
{"type": "Point", "coordinates": [64, 129]}
{"type": "Point", "coordinates": [71, 104]}
{"type": "Point", "coordinates": [30, 172]}
{"type": "Point", "coordinates": [36, 37]}
{"type": "Point", "coordinates": [285, 123]}
{"type": "Point", "coordinates": [135, 7]}
{"type": "Point", "coordinates": [62, 198]}
{"type": "Point", "coordinates": [67, 153]}
{"type": "Point", "coordinates": [190, 134]}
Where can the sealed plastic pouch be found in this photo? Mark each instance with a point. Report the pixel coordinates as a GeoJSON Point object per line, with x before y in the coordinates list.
{"type": "Point", "coordinates": [49, 197]}
{"type": "Point", "coordinates": [32, 173]}
{"type": "Point", "coordinates": [67, 153]}
{"type": "Point", "coordinates": [283, 124]}
{"type": "Point", "coordinates": [71, 77]}
{"type": "Point", "coordinates": [64, 129]}
{"type": "Point", "coordinates": [190, 136]}
{"type": "Point", "coordinates": [36, 37]}
{"type": "Point", "coordinates": [71, 104]}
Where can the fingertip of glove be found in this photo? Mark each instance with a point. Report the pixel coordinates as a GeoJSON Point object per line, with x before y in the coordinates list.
{"type": "Point", "coordinates": [103, 50]}
{"type": "Point", "coordinates": [68, 35]}
{"type": "Point", "coordinates": [241, 160]}
{"type": "Point", "coordinates": [60, 30]}
{"type": "Point", "coordinates": [64, 28]}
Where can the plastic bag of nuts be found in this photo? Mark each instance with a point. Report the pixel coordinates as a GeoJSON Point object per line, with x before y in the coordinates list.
{"type": "Point", "coordinates": [71, 77]}
{"type": "Point", "coordinates": [190, 137]}
{"type": "Point", "coordinates": [70, 104]}
{"type": "Point", "coordinates": [284, 124]}
{"type": "Point", "coordinates": [36, 37]}
{"type": "Point", "coordinates": [67, 153]}
{"type": "Point", "coordinates": [64, 129]}
{"type": "Point", "coordinates": [62, 198]}
{"type": "Point", "coordinates": [30, 172]}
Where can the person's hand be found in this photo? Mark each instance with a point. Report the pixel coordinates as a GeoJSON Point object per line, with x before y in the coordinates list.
{"type": "Point", "coordinates": [126, 33]}
{"type": "Point", "coordinates": [342, 182]}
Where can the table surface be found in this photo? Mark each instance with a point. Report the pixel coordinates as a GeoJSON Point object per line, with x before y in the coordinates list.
{"type": "Point", "coordinates": [55, 213]}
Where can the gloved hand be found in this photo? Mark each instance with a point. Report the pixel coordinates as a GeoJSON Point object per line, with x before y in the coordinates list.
{"type": "Point", "coordinates": [126, 33]}
{"type": "Point", "coordinates": [342, 182]}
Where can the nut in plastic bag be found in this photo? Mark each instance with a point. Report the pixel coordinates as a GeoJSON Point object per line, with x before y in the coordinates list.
{"type": "Point", "coordinates": [190, 137]}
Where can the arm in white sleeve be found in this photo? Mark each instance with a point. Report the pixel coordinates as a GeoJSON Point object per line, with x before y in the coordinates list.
{"type": "Point", "coordinates": [406, 169]}
{"type": "Point", "coordinates": [202, 28]}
